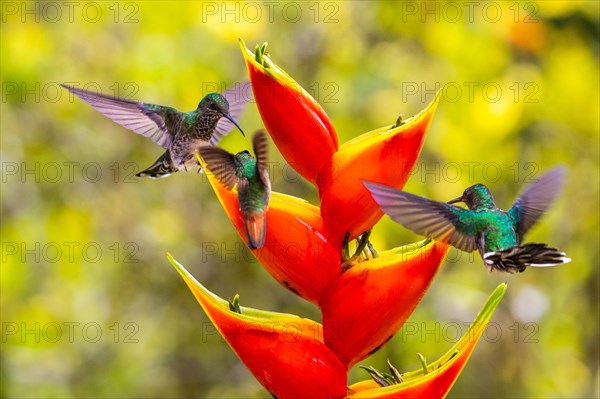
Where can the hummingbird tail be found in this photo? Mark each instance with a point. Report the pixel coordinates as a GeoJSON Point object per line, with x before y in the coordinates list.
{"type": "Point", "coordinates": [256, 229]}
{"type": "Point", "coordinates": [163, 167]}
{"type": "Point", "coordinates": [518, 258]}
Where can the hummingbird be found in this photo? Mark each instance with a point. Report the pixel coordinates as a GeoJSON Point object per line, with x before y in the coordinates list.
{"type": "Point", "coordinates": [253, 185]}
{"type": "Point", "coordinates": [180, 133]}
{"type": "Point", "coordinates": [495, 233]}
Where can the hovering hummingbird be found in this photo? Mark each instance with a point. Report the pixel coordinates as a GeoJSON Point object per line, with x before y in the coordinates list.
{"type": "Point", "coordinates": [495, 233]}
{"type": "Point", "coordinates": [180, 133]}
{"type": "Point", "coordinates": [253, 184]}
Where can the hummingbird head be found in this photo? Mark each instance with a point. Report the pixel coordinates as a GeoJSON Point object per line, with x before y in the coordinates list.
{"type": "Point", "coordinates": [476, 197]}
{"type": "Point", "coordinates": [244, 155]}
{"type": "Point", "coordinates": [245, 163]}
{"type": "Point", "coordinates": [216, 103]}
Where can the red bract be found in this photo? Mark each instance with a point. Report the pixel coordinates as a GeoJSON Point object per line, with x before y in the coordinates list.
{"type": "Point", "coordinates": [370, 302]}
{"type": "Point", "coordinates": [285, 352]}
{"type": "Point", "coordinates": [441, 374]}
{"type": "Point", "coordinates": [298, 125]}
{"type": "Point", "coordinates": [387, 156]}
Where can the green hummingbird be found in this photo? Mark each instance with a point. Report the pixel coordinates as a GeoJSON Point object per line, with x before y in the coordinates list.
{"type": "Point", "coordinates": [495, 233]}
{"type": "Point", "coordinates": [253, 185]}
{"type": "Point", "coordinates": [180, 133]}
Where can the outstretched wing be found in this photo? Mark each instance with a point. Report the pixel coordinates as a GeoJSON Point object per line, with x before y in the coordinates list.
{"type": "Point", "coordinates": [142, 118]}
{"type": "Point", "coordinates": [536, 199]}
{"type": "Point", "coordinates": [220, 163]}
{"type": "Point", "coordinates": [261, 153]}
{"type": "Point", "coordinates": [237, 97]}
{"type": "Point", "coordinates": [438, 220]}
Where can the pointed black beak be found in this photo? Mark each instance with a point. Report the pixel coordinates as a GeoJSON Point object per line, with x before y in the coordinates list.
{"type": "Point", "coordinates": [455, 200]}
{"type": "Point", "coordinates": [235, 123]}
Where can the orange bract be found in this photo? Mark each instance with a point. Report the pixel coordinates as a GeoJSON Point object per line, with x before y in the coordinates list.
{"type": "Point", "coordinates": [370, 302]}
{"type": "Point", "coordinates": [386, 156]}
{"type": "Point", "coordinates": [441, 374]}
{"type": "Point", "coordinates": [297, 251]}
{"type": "Point", "coordinates": [285, 352]}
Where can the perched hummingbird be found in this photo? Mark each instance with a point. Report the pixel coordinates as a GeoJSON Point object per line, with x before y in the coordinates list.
{"type": "Point", "coordinates": [180, 133]}
{"type": "Point", "coordinates": [495, 233]}
{"type": "Point", "coordinates": [253, 184]}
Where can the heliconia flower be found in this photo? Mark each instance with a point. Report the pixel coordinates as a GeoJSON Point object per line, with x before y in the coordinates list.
{"type": "Point", "coordinates": [297, 252]}
{"type": "Point", "coordinates": [284, 352]}
{"type": "Point", "coordinates": [441, 374]}
{"type": "Point", "coordinates": [370, 302]}
{"type": "Point", "coordinates": [364, 299]}
{"type": "Point", "coordinates": [298, 125]}
{"type": "Point", "coordinates": [386, 155]}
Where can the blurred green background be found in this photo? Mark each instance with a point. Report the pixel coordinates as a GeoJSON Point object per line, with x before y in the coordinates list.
{"type": "Point", "coordinates": [90, 305]}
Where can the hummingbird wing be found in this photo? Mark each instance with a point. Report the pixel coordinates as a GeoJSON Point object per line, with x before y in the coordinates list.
{"type": "Point", "coordinates": [439, 220]}
{"type": "Point", "coordinates": [536, 199]}
{"type": "Point", "coordinates": [237, 97]}
{"type": "Point", "coordinates": [142, 118]}
{"type": "Point", "coordinates": [261, 152]}
{"type": "Point", "coordinates": [220, 163]}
